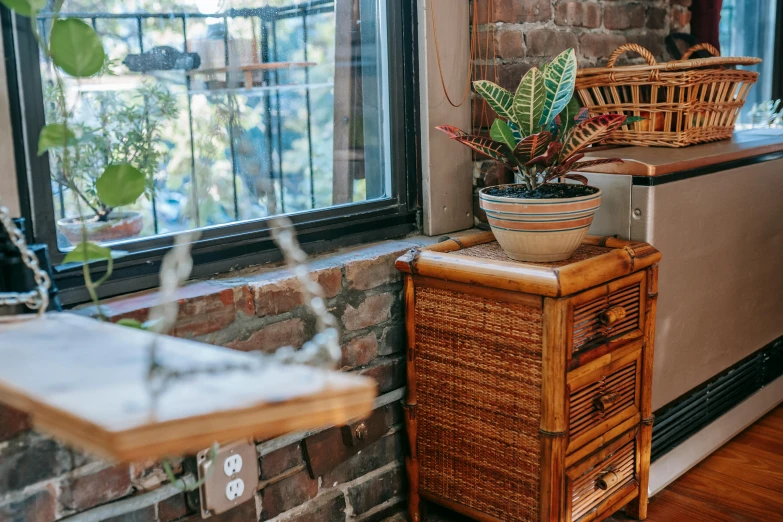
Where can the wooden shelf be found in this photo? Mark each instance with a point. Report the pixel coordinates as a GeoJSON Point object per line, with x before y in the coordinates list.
{"type": "Point", "coordinates": [84, 382]}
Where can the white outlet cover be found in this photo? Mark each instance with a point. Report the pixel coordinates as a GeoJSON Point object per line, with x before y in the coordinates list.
{"type": "Point", "coordinates": [234, 489]}
{"type": "Point", "coordinates": [232, 465]}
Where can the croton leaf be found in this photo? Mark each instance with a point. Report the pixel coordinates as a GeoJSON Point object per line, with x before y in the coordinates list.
{"type": "Point", "coordinates": [24, 7]}
{"type": "Point", "coordinates": [76, 48]}
{"type": "Point", "coordinates": [590, 131]}
{"type": "Point", "coordinates": [493, 149]}
{"type": "Point", "coordinates": [582, 115]}
{"type": "Point", "coordinates": [515, 131]}
{"type": "Point", "coordinates": [451, 130]}
{"type": "Point", "coordinates": [633, 119]}
{"type": "Point", "coordinates": [501, 132]}
{"type": "Point", "coordinates": [498, 98]}
{"type": "Point", "coordinates": [120, 184]}
{"type": "Point", "coordinates": [549, 157]}
{"type": "Point", "coordinates": [559, 79]}
{"type": "Point", "coordinates": [576, 177]}
{"type": "Point", "coordinates": [568, 115]}
{"type": "Point", "coordinates": [54, 136]}
{"type": "Point", "coordinates": [592, 163]}
{"type": "Point", "coordinates": [532, 146]}
{"type": "Point", "coordinates": [529, 102]}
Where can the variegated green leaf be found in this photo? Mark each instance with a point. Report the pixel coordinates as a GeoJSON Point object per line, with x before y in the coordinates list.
{"type": "Point", "coordinates": [451, 130]}
{"type": "Point", "coordinates": [591, 131]}
{"type": "Point", "coordinates": [515, 130]}
{"type": "Point", "coordinates": [493, 149]}
{"type": "Point", "coordinates": [532, 146]}
{"type": "Point", "coordinates": [569, 114]}
{"type": "Point", "coordinates": [501, 132]}
{"type": "Point", "coordinates": [529, 102]}
{"type": "Point", "coordinates": [559, 79]}
{"type": "Point", "coordinates": [498, 98]}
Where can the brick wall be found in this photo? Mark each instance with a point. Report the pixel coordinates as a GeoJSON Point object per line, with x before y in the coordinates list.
{"type": "Point", "coordinates": [527, 33]}
{"type": "Point", "coordinates": [42, 480]}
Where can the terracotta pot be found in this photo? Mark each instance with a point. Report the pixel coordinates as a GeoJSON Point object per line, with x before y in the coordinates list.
{"type": "Point", "coordinates": [539, 230]}
{"type": "Point", "coordinates": [121, 225]}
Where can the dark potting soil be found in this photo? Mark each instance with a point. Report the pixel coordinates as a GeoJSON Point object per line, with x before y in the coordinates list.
{"type": "Point", "coordinates": [548, 191]}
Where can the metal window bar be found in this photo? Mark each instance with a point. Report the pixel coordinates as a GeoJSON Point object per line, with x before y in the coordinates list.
{"type": "Point", "coordinates": [268, 18]}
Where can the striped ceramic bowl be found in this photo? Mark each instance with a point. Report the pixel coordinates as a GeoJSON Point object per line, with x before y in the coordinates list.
{"type": "Point", "coordinates": [539, 229]}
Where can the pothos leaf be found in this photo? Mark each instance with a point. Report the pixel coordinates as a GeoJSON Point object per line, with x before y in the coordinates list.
{"type": "Point", "coordinates": [589, 132]}
{"type": "Point", "coordinates": [87, 252]}
{"type": "Point", "coordinates": [451, 130]}
{"type": "Point", "coordinates": [76, 48]}
{"type": "Point", "coordinates": [559, 79]}
{"type": "Point", "coordinates": [120, 184]}
{"type": "Point", "coordinates": [498, 98]}
{"type": "Point", "coordinates": [529, 102]}
{"type": "Point", "coordinates": [501, 132]}
{"type": "Point", "coordinates": [131, 323]}
{"type": "Point", "coordinates": [532, 146]}
{"type": "Point", "coordinates": [493, 149]}
{"type": "Point", "coordinates": [24, 7]}
{"type": "Point", "coordinates": [55, 136]}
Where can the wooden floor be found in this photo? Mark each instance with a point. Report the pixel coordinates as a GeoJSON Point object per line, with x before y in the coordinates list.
{"type": "Point", "coordinates": [741, 482]}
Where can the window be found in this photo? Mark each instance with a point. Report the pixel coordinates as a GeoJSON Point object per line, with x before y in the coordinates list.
{"type": "Point", "coordinates": [749, 29]}
{"type": "Point", "coordinates": [234, 110]}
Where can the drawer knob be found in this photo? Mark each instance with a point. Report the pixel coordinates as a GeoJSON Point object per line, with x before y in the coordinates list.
{"type": "Point", "coordinates": [612, 315]}
{"type": "Point", "coordinates": [607, 480]}
{"type": "Point", "coordinates": [605, 401]}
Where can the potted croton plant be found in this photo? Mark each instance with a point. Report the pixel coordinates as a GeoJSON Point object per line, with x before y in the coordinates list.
{"type": "Point", "coordinates": [541, 135]}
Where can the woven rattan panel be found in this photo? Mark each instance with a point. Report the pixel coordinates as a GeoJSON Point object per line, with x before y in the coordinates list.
{"type": "Point", "coordinates": [493, 251]}
{"type": "Point", "coordinates": [478, 375]}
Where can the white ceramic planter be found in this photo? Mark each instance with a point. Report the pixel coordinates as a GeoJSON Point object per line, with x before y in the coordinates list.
{"type": "Point", "coordinates": [541, 230]}
{"type": "Point", "coordinates": [121, 225]}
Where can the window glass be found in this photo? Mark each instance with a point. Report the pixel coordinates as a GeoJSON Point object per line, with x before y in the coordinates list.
{"type": "Point", "coordinates": [747, 28]}
{"type": "Point", "coordinates": [233, 109]}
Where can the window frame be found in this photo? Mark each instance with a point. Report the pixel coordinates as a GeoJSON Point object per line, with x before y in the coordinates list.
{"type": "Point", "coordinates": [233, 245]}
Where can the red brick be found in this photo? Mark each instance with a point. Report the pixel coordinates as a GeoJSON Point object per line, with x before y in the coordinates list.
{"type": "Point", "coordinates": [281, 295]}
{"type": "Point", "coordinates": [547, 42]}
{"type": "Point", "coordinates": [578, 14]}
{"type": "Point", "coordinates": [516, 11]}
{"type": "Point", "coordinates": [172, 508]}
{"type": "Point", "coordinates": [286, 494]}
{"type": "Point", "coordinates": [369, 272]}
{"type": "Point", "coordinates": [108, 484]}
{"type": "Point", "coordinates": [650, 41]}
{"type": "Point", "coordinates": [376, 490]}
{"type": "Point", "coordinates": [684, 3]}
{"type": "Point", "coordinates": [510, 74]}
{"type": "Point", "coordinates": [30, 459]}
{"type": "Point", "coordinates": [243, 301]}
{"type": "Point", "coordinates": [680, 18]}
{"type": "Point", "coordinates": [623, 16]}
{"type": "Point", "coordinates": [281, 460]}
{"type": "Point", "coordinates": [145, 514]}
{"type": "Point", "coordinates": [273, 336]}
{"type": "Point", "coordinates": [509, 44]}
{"type": "Point", "coordinates": [360, 351]}
{"type": "Point", "coordinates": [327, 507]}
{"type": "Point", "coordinates": [656, 17]}
{"type": "Point", "coordinates": [375, 309]}
{"type": "Point", "coordinates": [378, 454]}
{"type": "Point", "coordinates": [389, 373]}
{"type": "Point", "coordinates": [38, 507]}
{"type": "Point", "coordinates": [12, 422]}
{"type": "Point", "coordinates": [596, 45]}
{"type": "Point", "coordinates": [245, 512]}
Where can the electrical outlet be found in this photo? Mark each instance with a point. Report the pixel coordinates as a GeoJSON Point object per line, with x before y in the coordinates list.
{"type": "Point", "coordinates": [229, 479]}
{"type": "Point", "coordinates": [234, 489]}
{"type": "Point", "coordinates": [232, 465]}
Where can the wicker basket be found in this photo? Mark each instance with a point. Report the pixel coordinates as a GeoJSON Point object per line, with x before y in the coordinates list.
{"type": "Point", "coordinates": [685, 102]}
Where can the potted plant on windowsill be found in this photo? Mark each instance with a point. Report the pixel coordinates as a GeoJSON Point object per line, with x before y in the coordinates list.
{"type": "Point", "coordinates": [541, 135]}
{"type": "Point", "coordinates": [119, 146]}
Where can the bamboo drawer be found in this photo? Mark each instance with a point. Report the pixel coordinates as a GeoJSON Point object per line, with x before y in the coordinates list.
{"type": "Point", "coordinates": [529, 383]}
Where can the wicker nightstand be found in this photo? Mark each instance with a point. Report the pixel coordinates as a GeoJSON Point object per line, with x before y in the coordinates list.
{"type": "Point", "coordinates": [529, 383]}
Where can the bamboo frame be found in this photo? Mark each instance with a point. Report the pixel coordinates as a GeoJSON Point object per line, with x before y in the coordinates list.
{"type": "Point", "coordinates": [554, 291]}
{"type": "Point", "coordinates": [683, 102]}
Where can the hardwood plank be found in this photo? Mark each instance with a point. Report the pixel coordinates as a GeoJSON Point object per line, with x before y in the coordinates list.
{"type": "Point", "coordinates": [85, 382]}
{"type": "Point", "coordinates": [669, 506]}
{"type": "Point", "coordinates": [751, 465]}
{"type": "Point", "coordinates": [761, 438]}
{"type": "Point", "coordinates": [732, 495]}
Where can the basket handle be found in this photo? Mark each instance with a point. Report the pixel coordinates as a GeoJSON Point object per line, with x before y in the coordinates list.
{"type": "Point", "coordinates": [700, 47]}
{"type": "Point", "coordinates": [647, 55]}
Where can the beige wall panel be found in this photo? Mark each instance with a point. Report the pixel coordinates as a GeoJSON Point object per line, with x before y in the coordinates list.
{"type": "Point", "coordinates": [446, 165]}
{"type": "Point", "coordinates": [9, 193]}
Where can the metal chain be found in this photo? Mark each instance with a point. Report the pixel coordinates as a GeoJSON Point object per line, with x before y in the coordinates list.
{"type": "Point", "coordinates": [37, 299]}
